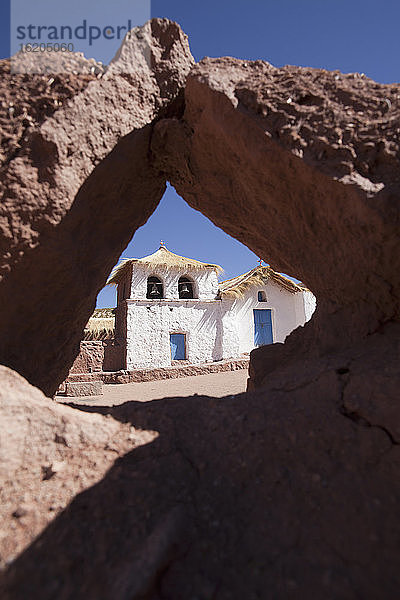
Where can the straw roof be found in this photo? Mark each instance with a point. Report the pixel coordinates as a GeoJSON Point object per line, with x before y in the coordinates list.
{"type": "Point", "coordinates": [163, 259]}
{"type": "Point", "coordinates": [258, 276]}
{"type": "Point", "coordinates": [101, 325]}
{"type": "Point", "coordinates": [103, 313]}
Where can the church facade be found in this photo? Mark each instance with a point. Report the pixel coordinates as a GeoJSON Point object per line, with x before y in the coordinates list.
{"type": "Point", "coordinates": [172, 309]}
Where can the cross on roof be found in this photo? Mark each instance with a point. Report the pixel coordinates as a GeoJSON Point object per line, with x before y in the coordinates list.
{"type": "Point", "coordinates": [260, 262]}
{"type": "Point", "coordinates": [162, 243]}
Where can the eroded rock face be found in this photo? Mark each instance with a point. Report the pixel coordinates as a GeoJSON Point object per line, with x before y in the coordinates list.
{"type": "Point", "coordinates": [48, 454]}
{"type": "Point", "coordinates": [76, 184]}
{"type": "Point", "coordinates": [289, 492]}
{"type": "Point", "coordinates": [299, 164]}
{"type": "Point", "coordinates": [302, 166]}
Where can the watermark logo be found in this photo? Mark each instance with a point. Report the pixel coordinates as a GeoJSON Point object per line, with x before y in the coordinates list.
{"type": "Point", "coordinates": [80, 36]}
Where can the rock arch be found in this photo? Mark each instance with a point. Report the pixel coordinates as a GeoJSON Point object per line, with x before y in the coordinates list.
{"type": "Point", "coordinates": [292, 488]}
{"type": "Point", "coordinates": [100, 177]}
{"type": "Point", "coordinates": [285, 160]}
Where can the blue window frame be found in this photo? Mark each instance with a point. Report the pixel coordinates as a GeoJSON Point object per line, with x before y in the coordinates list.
{"type": "Point", "coordinates": [178, 346]}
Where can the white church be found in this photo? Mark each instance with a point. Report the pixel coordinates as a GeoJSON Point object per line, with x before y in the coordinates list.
{"type": "Point", "coordinates": [171, 308]}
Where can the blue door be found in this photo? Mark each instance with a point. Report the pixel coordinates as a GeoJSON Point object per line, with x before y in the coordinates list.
{"type": "Point", "coordinates": [177, 342]}
{"type": "Point", "coordinates": [262, 327]}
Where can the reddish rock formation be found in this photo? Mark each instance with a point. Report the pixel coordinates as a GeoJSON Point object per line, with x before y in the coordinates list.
{"type": "Point", "coordinates": [48, 454]}
{"type": "Point", "coordinates": [301, 166]}
{"type": "Point", "coordinates": [288, 492]}
{"type": "Point", "coordinates": [298, 164]}
{"type": "Point", "coordinates": [76, 184]}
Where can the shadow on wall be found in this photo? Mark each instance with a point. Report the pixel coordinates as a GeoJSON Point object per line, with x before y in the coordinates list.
{"type": "Point", "coordinates": [210, 325]}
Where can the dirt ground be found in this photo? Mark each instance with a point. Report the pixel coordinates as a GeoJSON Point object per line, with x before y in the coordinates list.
{"type": "Point", "coordinates": [215, 384]}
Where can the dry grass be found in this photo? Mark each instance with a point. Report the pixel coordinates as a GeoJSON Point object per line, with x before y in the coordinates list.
{"type": "Point", "coordinates": [100, 328]}
{"type": "Point", "coordinates": [103, 313]}
{"type": "Point", "coordinates": [236, 287]}
{"type": "Point", "coordinates": [162, 259]}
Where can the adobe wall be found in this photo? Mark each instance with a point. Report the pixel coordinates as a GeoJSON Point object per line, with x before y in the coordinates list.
{"type": "Point", "coordinates": [90, 358]}
{"type": "Point", "coordinates": [96, 356]}
{"type": "Point", "coordinates": [205, 282]}
{"type": "Point", "coordinates": [287, 313]}
{"type": "Point", "coordinates": [149, 326]}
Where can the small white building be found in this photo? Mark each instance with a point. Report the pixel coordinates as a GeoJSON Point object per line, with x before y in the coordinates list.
{"type": "Point", "coordinates": [171, 308]}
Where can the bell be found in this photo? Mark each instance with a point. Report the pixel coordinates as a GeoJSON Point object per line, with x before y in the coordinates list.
{"type": "Point", "coordinates": [153, 290]}
{"type": "Point", "coordinates": [184, 289]}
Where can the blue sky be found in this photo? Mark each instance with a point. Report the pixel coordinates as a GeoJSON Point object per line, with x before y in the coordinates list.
{"type": "Point", "coordinates": [349, 35]}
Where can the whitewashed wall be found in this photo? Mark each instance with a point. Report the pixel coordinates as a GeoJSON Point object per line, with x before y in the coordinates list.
{"type": "Point", "coordinates": [215, 329]}
{"type": "Point", "coordinates": [310, 304]}
{"type": "Point", "coordinates": [206, 282]}
{"type": "Point", "coordinates": [230, 330]}
{"type": "Point", "coordinates": [149, 324]}
{"type": "Point", "coordinates": [288, 312]}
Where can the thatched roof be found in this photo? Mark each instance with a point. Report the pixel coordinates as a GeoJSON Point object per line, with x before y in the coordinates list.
{"type": "Point", "coordinates": [101, 325]}
{"type": "Point", "coordinates": [258, 276]}
{"type": "Point", "coordinates": [103, 313]}
{"type": "Point", "coordinates": [163, 259]}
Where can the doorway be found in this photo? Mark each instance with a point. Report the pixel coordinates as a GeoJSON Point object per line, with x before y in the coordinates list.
{"type": "Point", "coordinates": [263, 327]}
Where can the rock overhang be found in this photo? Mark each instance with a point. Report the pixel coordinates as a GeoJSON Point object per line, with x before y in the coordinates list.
{"type": "Point", "coordinates": [285, 160]}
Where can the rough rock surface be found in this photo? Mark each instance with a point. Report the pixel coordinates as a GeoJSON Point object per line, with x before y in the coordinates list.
{"type": "Point", "coordinates": [48, 454]}
{"type": "Point", "coordinates": [90, 358]}
{"type": "Point", "coordinates": [174, 372]}
{"type": "Point", "coordinates": [291, 491]}
{"type": "Point", "coordinates": [76, 171]}
{"type": "Point", "coordinates": [287, 493]}
{"type": "Point", "coordinates": [301, 165]}
{"type": "Point", "coordinates": [84, 388]}
{"type": "Point", "coordinates": [98, 355]}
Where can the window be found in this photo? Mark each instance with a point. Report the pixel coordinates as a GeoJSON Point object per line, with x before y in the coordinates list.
{"type": "Point", "coordinates": [154, 288]}
{"type": "Point", "coordinates": [262, 296]}
{"type": "Point", "coordinates": [185, 288]}
{"type": "Point", "coordinates": [178, 346]}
